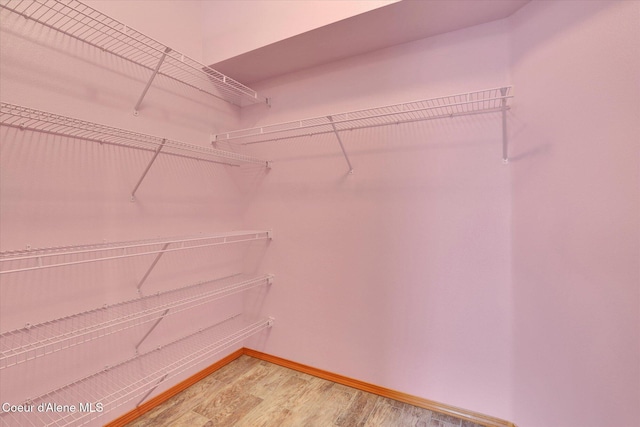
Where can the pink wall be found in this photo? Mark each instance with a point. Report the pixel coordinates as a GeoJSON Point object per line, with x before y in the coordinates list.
{"type": "Point", "coordinates": [433, 269]}
{"type": "Point", "coordinates": [176, 24]}
{"type": "Point", "coordinates": [44, 70]}
{"type": "Point", "coordinates": [379, 279]}
{"type": "Point", "coordinates": [58, 191]}
{"type": "Point", "coordinates": [576, 254]}
{"type": "Point", "coordinates": [398, 274]}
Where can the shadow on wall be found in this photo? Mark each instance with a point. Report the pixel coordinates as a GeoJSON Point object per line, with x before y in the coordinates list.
{"type": "Point", "coordinates": [520, 130]}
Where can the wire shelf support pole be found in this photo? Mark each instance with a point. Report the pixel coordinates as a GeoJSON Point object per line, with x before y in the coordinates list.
{"type": "Point", "coordinates": [151, 390]}
{"type": "Point", "coordinates": [153, 76]}
{"type": "Point", "coordinates": [505, 142]}
{"type": "Point", "coordinates": [344, 152]}
{"type": "Point", "coordinates": [162, 316]}
{"type": "Point", "coordinates": [152, 266]}
{"type": "Point", "coordinates": [153, 159]}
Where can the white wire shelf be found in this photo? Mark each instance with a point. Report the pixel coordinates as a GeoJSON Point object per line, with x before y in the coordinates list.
{"type": "Point", "coordinates": [126, 381]}
{"type": "Point", "coordinates": [35, 341]}
{"type": "Point", "coordinates": [479, 102]}
{"type": "Point", "coordinates": [484, 101]}
{"type": "Point", "coordinates": [41, 258]}
{"type": "Point", "coordinates": [41, 121]}
{"type": "Point", "coordinates": [79, 21]}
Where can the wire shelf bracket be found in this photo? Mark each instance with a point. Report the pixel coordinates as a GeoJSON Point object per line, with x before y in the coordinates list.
{"type": "Point", "coordinates": [153, 159]}
{"type": "Point", "coordinates": [479, 102]}
{"type": "Point", "coordinates": [153, 76]}
{"type": "Point", "coordinates": [162, 316]}
{"type": "Point", "coordinates": [164, 377]}
{"type": "Point", "coordinates": [505, 141]}
{"type": "Point", "coordinates": [85, 24]}
{"type": "Point", "coordinates": [344, 152]}
{"type": "Point", "coordinates": [153, 264]}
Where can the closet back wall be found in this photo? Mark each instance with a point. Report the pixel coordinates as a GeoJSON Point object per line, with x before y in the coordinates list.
{"type": "Point", "coordinates": [398, 274]}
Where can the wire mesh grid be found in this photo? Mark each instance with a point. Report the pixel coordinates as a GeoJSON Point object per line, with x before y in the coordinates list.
{"type": "Point", "coordinates": [483, 101]}
{"type": "Point", "coordinates": [34, 341]}
{"type": "Point", "coordinates": [40, 121]}
{"type": "Point", "coordinates": [39, 258]}
{"type": "Point", "coordinates": [134, 377]}
{"type": "Point", "coordinates": [79, 21]}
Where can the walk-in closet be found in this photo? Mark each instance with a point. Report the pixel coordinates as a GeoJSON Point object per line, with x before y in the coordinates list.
{"type": "Point", "coordinates": [427, 211]}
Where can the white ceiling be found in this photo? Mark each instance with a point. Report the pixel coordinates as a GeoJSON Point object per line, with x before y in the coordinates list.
{"type": "Point", "coordinates": [396, 23]}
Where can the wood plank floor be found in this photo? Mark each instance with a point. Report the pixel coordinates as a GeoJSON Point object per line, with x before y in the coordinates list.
{"type": "Point", "coordinates": [252, 393]}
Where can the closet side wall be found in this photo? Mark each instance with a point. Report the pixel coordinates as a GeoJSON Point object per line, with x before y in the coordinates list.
{"type": "Point", "coordinates": [397, 274]}
{"type": "Point", "coordinates": [576, 213]}
{"type": "Point", "coordinates": [58, 191]}
{"type": "Point", "coordinates": [63, 191]}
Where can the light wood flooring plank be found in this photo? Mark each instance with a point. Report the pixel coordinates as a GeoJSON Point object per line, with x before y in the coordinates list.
{"type": "Point", "coordinates": [192, 419]}
{"type": "Point", "coordinates": [414, 416]}
{"type": "Point", "coordinates": [266, 415]}
{"type": "Point", "coordinates": [444, 420]}
{"type": "Point", "coordinates": [252, 393]}
{"type": "Point", "coordinates": [228, 406]}
{"type": "Point", "coordinates": [358, 411]}
{"type": "Point", "coordinates": [275, 382]}
{"type": "Point", "coordinates": [234, 370]}
{"type": "Point", "coordinates": [184, 401]}
{"type": "Point", "coordinates": [330, 401]}
{"type": "Point", "coordinates": [386, 412]}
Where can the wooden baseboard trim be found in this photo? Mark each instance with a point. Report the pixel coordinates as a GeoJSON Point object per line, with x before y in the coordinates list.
{"type": "Point", "coordinates": [166, 395]}
{"type": "Point", "coordinates": [464, 414]}
{"type": "Point", "coordinates": [442, 408]}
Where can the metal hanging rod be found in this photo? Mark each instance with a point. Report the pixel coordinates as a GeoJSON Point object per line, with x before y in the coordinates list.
{"type": "Point", "coordinates": [478, 102]}
{"type": "Point", "coordinates": [34, 341]}
{"type": "Point", "coordinates": [41, 121]}
{"type": "Point", "coordinates": [126, 381]}
{"type": "Point", "coordinates": [81, 22]}
{"type": "Point", "coordinates": [36, 259]}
